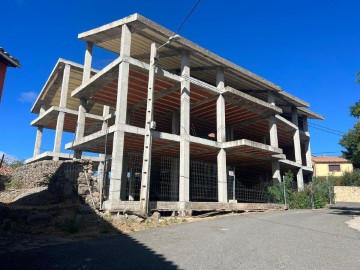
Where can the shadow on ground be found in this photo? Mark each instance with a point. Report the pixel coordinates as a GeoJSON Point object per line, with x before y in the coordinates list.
{"type": "Point", "coordinates": [347, 209]}
{"type": "Point", "coordinates": [43, 231]}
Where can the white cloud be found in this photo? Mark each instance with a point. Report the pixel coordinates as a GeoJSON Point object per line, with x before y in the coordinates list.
{"type": "Point", "coordinates": [28, 97]}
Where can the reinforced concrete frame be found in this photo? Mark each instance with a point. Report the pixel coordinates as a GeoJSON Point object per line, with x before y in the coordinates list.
{"type": "Point", "coordinates": [57, 111]}
{"type": "Point", "coordinates": [204, 107]}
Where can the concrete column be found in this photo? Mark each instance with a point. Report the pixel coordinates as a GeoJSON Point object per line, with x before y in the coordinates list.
{"type": "Point", "coordinates": [221, 137]}
{"type": "Point", "coordinates": [184, 170]}
{"type": "Point", "coordinates": [116, 183]}
{"type": "Point", "coordinates": [61, 115]}
{"type": "Point", "coordinates": [58, 134]}
{"type": "Point", "coordinates": [87, 62]}
{"type": "Point", "coordinates": [274, 141]}
{"type": "Point", "coordinates": [307, 142]}
{"type": "Point", "coordinates": [80, 128]}
{"type": "Point", "coordinates": [297, 148]}
{"type": "Point", "coordinates": [38, 140]}
{"type": "Point", "coordinates": [39, 133]}
{"type": "Point", "coordinates": [101, 166]}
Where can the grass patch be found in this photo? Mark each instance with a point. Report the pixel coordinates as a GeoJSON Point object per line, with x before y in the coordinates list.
{"type": "Point", "coordinates": [14, 184]}
{"type": "Point", "coordinates": [69, 225]}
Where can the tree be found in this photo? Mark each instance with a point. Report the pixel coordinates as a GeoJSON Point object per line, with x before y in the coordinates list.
{"type": "Point", "coordinates": [351, 140]}
{"type": "Point", "coordinates": [355, 109]}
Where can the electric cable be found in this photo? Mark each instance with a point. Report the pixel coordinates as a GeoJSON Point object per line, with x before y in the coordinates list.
{"type": "Point", "coordinates": [327, 128]}
{"type": "Point", "coordinates": [188, 16]}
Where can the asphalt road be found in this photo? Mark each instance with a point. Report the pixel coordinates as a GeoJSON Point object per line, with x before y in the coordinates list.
{"type": "Point", "coordinates": [294, 239]}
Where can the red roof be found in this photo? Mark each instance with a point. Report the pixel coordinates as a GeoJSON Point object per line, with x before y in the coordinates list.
{"type": "Point", "coordinates": [325, 159]}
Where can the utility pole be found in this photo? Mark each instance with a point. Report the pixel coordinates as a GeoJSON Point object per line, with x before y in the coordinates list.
{"type": "Point", "coordinates": [149, 125]}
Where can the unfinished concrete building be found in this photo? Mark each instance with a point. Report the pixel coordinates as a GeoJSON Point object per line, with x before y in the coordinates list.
{"type": "Point", "coordinates": [58, 111]}
{"type": "Point", "coordinates": [177, 127]}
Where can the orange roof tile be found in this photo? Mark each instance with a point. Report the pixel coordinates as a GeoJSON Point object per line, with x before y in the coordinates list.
{"type": "Point", "coordinates": [325, 159]}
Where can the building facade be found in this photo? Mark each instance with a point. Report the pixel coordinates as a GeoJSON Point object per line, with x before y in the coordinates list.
{"type": "Point", "coordinates": [331, 166]}
{"type": "Point", "coordinates": [182, 129]}
{"type": "Point", "coordinates": [6, 60]}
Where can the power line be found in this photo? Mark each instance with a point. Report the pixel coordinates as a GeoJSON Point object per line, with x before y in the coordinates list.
{"type": "Point", "coordinates": [327, 128]}
{"type": "Point", "coordinates": [188, 16]}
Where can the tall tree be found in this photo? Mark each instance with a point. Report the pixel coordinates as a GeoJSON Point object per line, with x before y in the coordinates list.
{"type": "Point", "coordinates": [351, 140]}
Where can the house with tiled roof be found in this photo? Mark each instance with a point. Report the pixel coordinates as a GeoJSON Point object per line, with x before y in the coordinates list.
{"type": "Point", "coordinates": [6, 60]}
{"type": "Point", "coordinates": [335, 166]}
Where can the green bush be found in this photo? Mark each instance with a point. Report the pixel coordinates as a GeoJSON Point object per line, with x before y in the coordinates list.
{"type": "Point", "coordinates": [301, 199]}
{"type": "Point", "coordinates": [277, 191]}
{"type": "Point", "coordinates": [15, 184]}
{"type": "Point", "coordinates": [350, 178]}
{"type": "Point", "coordinates": [314, 195]}
{"type": "Point", "coordinates": [322, 191]}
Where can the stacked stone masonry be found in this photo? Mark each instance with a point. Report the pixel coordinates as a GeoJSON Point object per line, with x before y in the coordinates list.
{"type": "Point", "coordinates": [347, 194]}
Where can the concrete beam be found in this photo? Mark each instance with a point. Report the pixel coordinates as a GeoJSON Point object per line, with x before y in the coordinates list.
{"type": "Point", "coordinates": [42, 119]}
{"type": "Point", "coordinates": [158, 71]}
{"type": "Point", "coordinates": [249, 102]}
{"type": "Point", "coordinates": [245, 142]}
{"type": "Point", "coordinates": [205, 86]}
{"type": "Point", "coordinates": [90, 87]}
{"type": "Point", "coordinates": [63, 156]}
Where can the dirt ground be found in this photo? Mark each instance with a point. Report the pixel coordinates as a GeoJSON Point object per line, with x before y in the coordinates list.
{"type": "Point", "coordinates": [73, 219]}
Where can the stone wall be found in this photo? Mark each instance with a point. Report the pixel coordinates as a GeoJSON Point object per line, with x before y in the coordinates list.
{"type": "Point", "coordinates": [347, 194]}
{"type": "Point", "coordinates": [63, 179]}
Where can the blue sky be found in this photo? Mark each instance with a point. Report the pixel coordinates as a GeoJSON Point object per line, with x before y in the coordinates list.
{"type": "Point", "coordinates": [309, 48]}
